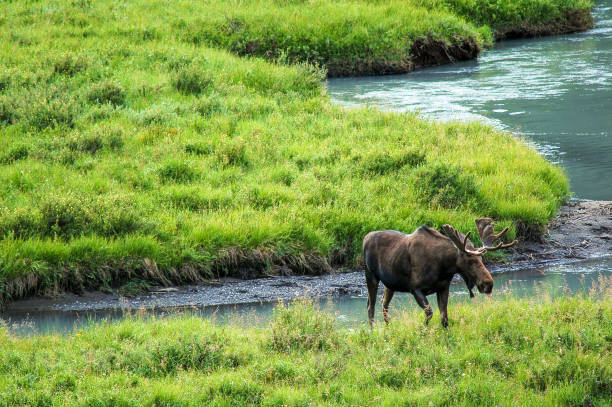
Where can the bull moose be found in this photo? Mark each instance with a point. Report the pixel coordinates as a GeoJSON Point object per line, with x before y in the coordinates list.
{"type": "Point", "coordinates": [425, 261]}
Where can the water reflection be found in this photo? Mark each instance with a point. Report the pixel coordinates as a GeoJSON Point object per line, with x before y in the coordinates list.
{"type": "Point", "coordinates": [556, 90]}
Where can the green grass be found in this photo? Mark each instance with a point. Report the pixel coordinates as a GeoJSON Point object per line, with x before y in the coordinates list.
{"type": "Point", "coordinates": [356, 37]}
{"type": "Point", "coordinates": [502, 15]}
{"type": "Point", "coordinates": [502, 352]}
{"type": "Point", "coordinates": [129, 152]}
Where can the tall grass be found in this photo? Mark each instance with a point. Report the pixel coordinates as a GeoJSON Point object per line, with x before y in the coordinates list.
{"type": "Point", "coordinates": [502, 352]}
{"type": "Point", "coordinates": [127, 151]}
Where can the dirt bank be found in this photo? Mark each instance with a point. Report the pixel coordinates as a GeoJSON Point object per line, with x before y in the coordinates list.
{"type": "Point", "coordinates": [574, 21]}
{"type": "Point", "coordinates": [427, 52]}
{"type": "Point", "coordinates": [581, 230]}
{"type": "Point", "coordinates": [424, 52]}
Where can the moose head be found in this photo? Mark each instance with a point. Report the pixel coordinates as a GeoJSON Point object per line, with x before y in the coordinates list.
{"type": "Point", "coordinates": [469, 261]}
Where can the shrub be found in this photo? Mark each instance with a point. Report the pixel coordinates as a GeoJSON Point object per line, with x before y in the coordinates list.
{"type": "Point", "coordinates": [116, 216]}
{"type": "Point", "coordinates": [99, 113]}
{"type": "Point", "coordinates": [49, 107]}
{"type": "Point", "coordinates": [8, 110]}
{"type": "Point", "coordinates": [64, 216]}
{"type": "Point", "coordinates": [18, 223]}
{"type": "Point", "coordinates": [69, 64]}
{"type": "Point", "coordinates": [156, 115]}
{"type": "Point", "coordinates": [113, 137]}
{"type": "Point", "coordinates": [301, 326]}
{"type": "Point", "coordinates": [89, 143]}
{"type": "Point", "coordinates": [177, 171]}
{"type": "Point", "coordinates": [445, 185]}
{"type": "Point", "coordinates": [107, 91]}
{"type": "Point", "coordinates": [232, 152]}
{"type": "Point", "coordinates": [70, 215]}
{"type": "Point", "coordinates": [14, 154]}
{"type": "Point", "coordinates": [5, 79]}
{"type": "Point", "coordinates": [191, 80]}
{"type": "Point", "coordinates": [209, 105]}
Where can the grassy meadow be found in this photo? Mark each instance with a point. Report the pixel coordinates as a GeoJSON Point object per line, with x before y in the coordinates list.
{"type": "Point", "coordinates": [502, 352]}
{"type": "Point", "coordinates": [132, 153]}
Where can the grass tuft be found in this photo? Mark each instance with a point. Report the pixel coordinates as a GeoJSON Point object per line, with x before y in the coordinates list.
{"type": "Point", "coordinates": [191, 80]}
{"type": "Point", "coordinates": [107, 91]}
{"type": "Point", "coordinates": [300, 326]}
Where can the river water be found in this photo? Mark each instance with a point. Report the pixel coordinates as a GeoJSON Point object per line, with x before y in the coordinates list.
{"type": "Point", "coordinates": [555, 90]}
{"type": "Point", "coordinates": [350, 310]}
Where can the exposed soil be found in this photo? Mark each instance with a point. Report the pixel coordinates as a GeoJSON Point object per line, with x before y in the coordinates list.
{"type": "Point", "coordinates": [423, 52]}
{"type": "Point", "coordinates": [426, 52]}
{"type": "Point", "coordinates": [581, 230]}
{"type": "Point", "coordinates": [430, 52]}
{"type": "Point", "coordinates": [574, 21]}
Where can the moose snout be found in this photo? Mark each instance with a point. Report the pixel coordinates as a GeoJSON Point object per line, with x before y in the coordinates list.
{"type": "Point", "coordinates": [486, 287]}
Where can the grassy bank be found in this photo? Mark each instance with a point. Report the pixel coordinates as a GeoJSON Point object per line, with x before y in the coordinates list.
{"type": "Point", "coordinates": [525, 18]}
{"type": "Point", "coordinates": [129, 153]}
{"type": "Point", "coordinates": [357, 37]}
{"type": "Point", "coordinates": [503, 352]}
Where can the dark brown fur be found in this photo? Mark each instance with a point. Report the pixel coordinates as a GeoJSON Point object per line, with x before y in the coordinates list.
{"type": "Point", "coordinates": [421, 263]}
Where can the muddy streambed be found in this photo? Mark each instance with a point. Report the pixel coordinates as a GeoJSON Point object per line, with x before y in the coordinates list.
{"type": "Point", "coordinates": [343, 294]}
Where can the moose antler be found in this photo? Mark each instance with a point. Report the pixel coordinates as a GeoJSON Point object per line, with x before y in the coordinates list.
{"type": "Point", "coordinates": [486, 230]}
{"type": "Point", "coordinates": [454, 236]}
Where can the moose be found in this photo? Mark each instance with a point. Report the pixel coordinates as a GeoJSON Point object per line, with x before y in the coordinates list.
{"type": "Point", "coordinates": [425, 261]}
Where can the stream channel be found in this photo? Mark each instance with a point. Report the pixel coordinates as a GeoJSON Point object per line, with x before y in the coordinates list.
{"type": "Point", "coordinates": [556, 90]}
{"type": "Point", "coordinates": [350, 310]}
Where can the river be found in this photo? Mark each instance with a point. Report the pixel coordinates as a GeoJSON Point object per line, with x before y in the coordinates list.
{"type": "Point", "coordinates": [555, 90]}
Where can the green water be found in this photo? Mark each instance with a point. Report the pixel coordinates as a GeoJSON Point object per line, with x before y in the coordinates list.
{"type": "Point", "coordinates": [555, 90]}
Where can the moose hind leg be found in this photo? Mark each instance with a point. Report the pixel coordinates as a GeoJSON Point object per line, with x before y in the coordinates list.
{"type": "Point", "coordinates": [442, 306]}
{"type": "Point", "coordinates": [372, 283]}
{"type": "Point", "coordinates": [421, 299]}
{"type": "Point", "coordinates": [386, 300]}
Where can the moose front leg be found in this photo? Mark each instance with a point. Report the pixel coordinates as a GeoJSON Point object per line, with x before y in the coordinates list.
{"type": "Point", "coordinates": [421, 299]}
{"type": "Point", "coordinates": [442, 303]}
{"type": "Point", "coordinates": [386, 300]}
{"type": "Point", "coordinates": [372, 283]}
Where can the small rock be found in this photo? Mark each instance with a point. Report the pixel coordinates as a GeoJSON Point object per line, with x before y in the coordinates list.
{"type": "Point", "coordinates": [165, 290]}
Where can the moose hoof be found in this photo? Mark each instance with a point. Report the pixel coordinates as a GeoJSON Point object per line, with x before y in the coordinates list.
{"type": "Point", "coordinates": [445, 322]}
{"type": "Point", "coordinates": [428, 315]}
{"type": "Point", "coordinates": [386, 318]}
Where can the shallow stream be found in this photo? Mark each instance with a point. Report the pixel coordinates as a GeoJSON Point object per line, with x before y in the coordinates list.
{"type": "Point", "coordinates": [350, 310]}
